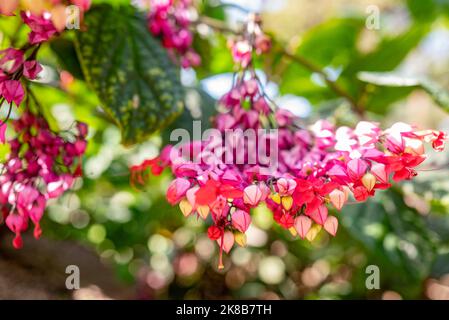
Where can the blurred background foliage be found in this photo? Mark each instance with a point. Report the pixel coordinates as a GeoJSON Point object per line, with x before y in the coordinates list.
{"type": "Point", "coordinates": [397, 72]}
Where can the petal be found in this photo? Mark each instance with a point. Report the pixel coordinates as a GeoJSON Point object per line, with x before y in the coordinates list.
{"type": "Point", "coordinates": [369, 181]}
{"type": "Point", "coordinates": [319, 215]}
{"type": "Point", "coordinates": [379, 171]}
{"type": "Point", "coordinates": [313, 232]}
{"type": "Point", "coordinates": [227, 241]}
{"type": "Point", "coordinates": [357, 168]}
{"type": "Point", "coordinates": [186, 207]}
{"type": "Point", "coordinates": [203, 211]}
{"type": "Point", "coordinates": [338, 198]}
{"type": "Point", "coordinates": [252, 195]}
{"type": "Point", "coordinates": [241, 220]}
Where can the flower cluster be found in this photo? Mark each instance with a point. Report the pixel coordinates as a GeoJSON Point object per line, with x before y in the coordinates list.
{"type": "Point", "coordinates": [41, 166]}
{"type": "Point", "coordinates": [317, 166]}
{"type": "Point", "coordinates": [170, 20]}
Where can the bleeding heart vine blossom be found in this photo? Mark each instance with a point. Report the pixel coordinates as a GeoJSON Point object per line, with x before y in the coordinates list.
{"type": "Point", "coordinates": [42, 164]}
{"type": "Point", "coordinates": [320, 165]}
{"type": "Point", "coordinates": [171, 20]}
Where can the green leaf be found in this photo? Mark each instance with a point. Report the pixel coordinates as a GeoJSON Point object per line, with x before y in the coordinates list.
{"type": "Point", "coordinates": [388, 55]}
{"type": "Point", "coordinates": [422, 10]}
{"type": "Point", "coordinates": [66, 53]}
{"type": "Point", "coordinates": [331, 44]}
{"type": "Point", "coordinates": [400, 83]}
{"type": "Point", "coordinates": [428, 10]}
{"type": "Point", "coordinates": [130, 72]}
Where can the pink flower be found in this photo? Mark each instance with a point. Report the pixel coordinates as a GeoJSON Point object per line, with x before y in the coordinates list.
{"type": "Point", "coordinates": [317, 166]}
{"type": "Point", "coordinates": [17, 224]}
{"type": "Point", "coordinates": [42, 29]}
{"type": "Point", "coordinates": [12, 91]}
{"type": "Point", "coordinates": [30, 177]}
{"type": "Point", "coordinates": [11, 60]}
{"type": "Point", "coordinates": [171, 22]}
{"type": "Point", "coordinates": [379, 171]}
{"type": "Point", "coordinates": [286, 186]}
{"type": "Point", "coordinates": [241, 53]}
{"type": "Point", "coordinates": [31, 69]}
{"type": "Point", "coordinates": [319, 215]}
{"type": "Point", "coordinates": [177, 190]}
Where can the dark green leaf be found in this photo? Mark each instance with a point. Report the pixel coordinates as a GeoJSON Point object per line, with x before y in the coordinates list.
{"type": "Point", "coordinates": [130, 72]}
{"type": "Point", "coordinates": [428, 10]}
{"type": "Point", "coordinates": [422, 10]}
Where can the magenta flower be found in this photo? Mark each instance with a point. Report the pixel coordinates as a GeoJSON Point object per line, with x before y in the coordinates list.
{"type": "Point", "coordinates": [42, 28]}
{"type": "Point", "coordinates": [11, 60]}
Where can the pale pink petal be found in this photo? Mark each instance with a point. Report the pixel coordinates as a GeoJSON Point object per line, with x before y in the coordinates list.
{"type": "Point", "coordinates": [331, 225]}
{"type": "Point", "coordinates": [319, 215]}
{"type": "Point", "coordinates": [241, 220]}
{"type": "Point", "coordinates": [302, 225]}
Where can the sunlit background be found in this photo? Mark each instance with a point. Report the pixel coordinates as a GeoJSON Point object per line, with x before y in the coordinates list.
{"type": "Point", "coordinates": [132, 244]}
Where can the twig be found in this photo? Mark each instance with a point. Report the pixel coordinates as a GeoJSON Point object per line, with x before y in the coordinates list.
{"type": "Point", "coordinates": [217, 25]}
